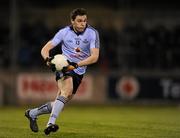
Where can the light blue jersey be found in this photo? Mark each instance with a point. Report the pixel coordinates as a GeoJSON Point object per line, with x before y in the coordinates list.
{"type": "Point", "coordinates": [76, 46]}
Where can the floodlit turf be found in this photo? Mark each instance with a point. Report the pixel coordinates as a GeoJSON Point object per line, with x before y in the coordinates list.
{"type": "Point", "coordinates": [98, 122]}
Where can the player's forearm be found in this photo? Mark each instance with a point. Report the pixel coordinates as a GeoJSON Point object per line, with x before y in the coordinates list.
{"type": "Point", "coordinates": [91, 59]}
{"type": "Point", "coordinates": [45, 50]}
{"type": "Point", "coordinates": [88, 61]}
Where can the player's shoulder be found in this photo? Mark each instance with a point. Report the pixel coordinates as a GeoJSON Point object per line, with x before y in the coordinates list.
{"type": "Point", "coordinates": [66, 28]}
{"type": "Point", "coordinates": [91, 29]}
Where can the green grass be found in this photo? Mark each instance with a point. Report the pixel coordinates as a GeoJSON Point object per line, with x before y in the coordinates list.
{"type": "Point", "coordinates": [98, 122]}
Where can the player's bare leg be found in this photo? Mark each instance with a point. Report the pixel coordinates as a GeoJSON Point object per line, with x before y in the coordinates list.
{"type": "Point", "coordinates": [65, 84]}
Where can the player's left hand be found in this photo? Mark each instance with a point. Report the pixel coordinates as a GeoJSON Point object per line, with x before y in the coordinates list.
{"type": "Point", "coordinates": [71, 66]}
{"type": "Point", "coordinates": [75, 65]}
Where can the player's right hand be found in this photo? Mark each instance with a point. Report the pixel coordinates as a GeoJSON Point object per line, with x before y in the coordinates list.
{"type": "Point", "coordinates": [49, 64]}
{"type": "Point", "coordinates": [48, 61]}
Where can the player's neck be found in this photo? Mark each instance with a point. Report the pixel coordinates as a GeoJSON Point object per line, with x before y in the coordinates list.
{"type": "Point", "coordinates": [76, 31]}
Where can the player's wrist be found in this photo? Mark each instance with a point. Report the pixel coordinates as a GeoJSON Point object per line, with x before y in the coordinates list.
{"type": "Point", "coordinates": [78, 65]}
{"type": "Point", "coordinates": [46, 59]}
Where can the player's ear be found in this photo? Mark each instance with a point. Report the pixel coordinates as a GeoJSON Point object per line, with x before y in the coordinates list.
{"type": "Point", "coordinates": [72, 21]}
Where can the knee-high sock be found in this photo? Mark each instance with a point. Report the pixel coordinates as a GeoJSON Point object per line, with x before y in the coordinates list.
{"type": "Point", "coordinates": [57, 108]}
{"type": "Point", "coordinates": [43, 109]}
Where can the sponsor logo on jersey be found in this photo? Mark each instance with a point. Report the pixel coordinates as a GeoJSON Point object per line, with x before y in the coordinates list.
{"type": "Point", "coordinates": [69, 41]}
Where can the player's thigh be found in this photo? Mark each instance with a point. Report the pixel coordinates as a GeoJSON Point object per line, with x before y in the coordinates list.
{"type": "Point", "coordinates": [65, 85]}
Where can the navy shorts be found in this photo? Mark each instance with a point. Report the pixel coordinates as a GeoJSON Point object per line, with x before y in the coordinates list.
{"type": "Point", "coordinates": [76, 79]}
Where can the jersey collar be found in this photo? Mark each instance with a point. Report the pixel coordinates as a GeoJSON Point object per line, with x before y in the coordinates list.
{"type": "Point", "coordinates": [77, 33]}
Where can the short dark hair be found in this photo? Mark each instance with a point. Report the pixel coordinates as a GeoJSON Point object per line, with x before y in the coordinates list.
{"type": "Point", "coordinates": [76, 12]}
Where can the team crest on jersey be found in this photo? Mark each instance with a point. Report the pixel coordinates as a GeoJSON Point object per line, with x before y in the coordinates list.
{"type": "Point", "coordinates": [85, 41]}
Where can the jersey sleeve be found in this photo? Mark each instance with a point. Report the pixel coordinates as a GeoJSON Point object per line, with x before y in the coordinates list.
{"type": "Point", "coordinates": [58, 37]}
{"type": "Point", "coordinates": [95, 42]}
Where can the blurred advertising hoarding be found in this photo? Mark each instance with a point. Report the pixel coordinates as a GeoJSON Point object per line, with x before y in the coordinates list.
{"type": "Point", "coordinates": [136, 87]}
{"type": "Point", "coordinates": [35, 87]}
{"type": "Point", "coordinates": [38, 87]}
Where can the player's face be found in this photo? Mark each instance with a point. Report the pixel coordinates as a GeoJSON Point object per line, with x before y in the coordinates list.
{"type": "Point", "coordinates": [79, 23]}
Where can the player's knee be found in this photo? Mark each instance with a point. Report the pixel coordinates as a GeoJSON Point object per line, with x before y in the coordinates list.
{"type": "Point", "coordinates": [66, 94]}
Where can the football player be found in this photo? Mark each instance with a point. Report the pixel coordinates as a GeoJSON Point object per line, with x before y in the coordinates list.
{"type": "Point", "coordinates": [80, 44]}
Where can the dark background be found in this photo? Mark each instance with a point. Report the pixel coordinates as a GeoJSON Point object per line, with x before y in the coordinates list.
{"type": "Point", "coordinates": [135, 35]}
{"type": "Point", "coordinates": [138, 38]}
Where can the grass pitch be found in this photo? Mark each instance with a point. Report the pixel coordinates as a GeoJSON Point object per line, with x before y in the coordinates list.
{"type": "Point", "coordinates": [97, 122]}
